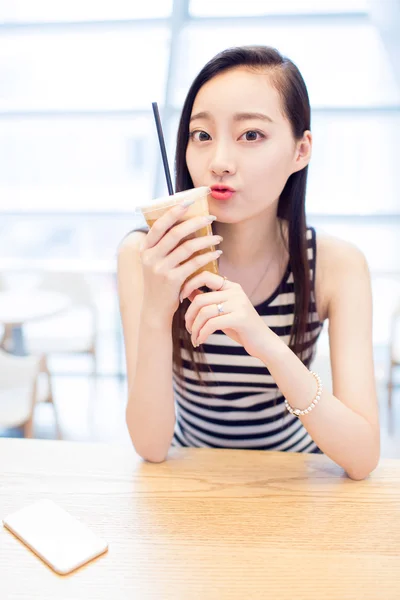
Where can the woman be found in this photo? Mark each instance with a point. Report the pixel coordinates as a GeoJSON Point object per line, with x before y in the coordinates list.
{"type": "Point", "coordinates": [228, 366]}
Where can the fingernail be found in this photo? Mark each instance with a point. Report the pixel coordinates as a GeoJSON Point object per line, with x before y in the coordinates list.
{"type": "Point", "coordinates": [188, 202]}
{"type": "Point", "coordinates": [180, 298]}
{"type": "Point", "coordinates": [219, 252]}
{"type": "Point", "coordinates": [210, 218]}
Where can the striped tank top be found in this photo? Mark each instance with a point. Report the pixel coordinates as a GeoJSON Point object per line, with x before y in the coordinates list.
{"type": "Point", "coordinates": [240, 406]}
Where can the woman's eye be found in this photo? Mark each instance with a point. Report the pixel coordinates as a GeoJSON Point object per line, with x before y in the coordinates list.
{"type": "Point", "coordinates": [199, 136]}
{"type": "Point", "coordinates": [251, 136]}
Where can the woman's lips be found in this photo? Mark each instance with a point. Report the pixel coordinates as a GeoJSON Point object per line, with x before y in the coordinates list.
{"type": "Point", "coordinates": [222, 194]}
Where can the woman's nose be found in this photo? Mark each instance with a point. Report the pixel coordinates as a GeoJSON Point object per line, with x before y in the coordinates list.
{"type": "Point", "coordinates": [221, 165]}
{"type": "Point", "coordinates": [219, 172]}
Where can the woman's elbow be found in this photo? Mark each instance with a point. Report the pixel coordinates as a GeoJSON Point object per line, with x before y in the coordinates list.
{"type": "Point", "coordinates": [154, 457]}
{"type": "Point", "coordinates": [148, 452]}
{"type": "Point", "coordinates": [360, 473]}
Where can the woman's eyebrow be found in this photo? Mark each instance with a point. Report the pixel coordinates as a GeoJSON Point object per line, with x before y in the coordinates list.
{"type": "Point", "coordinates": [242, 116]}
{"type": "Point", "coordinates": [246, 116]}
{"type": "Point", "coordinates": [200, 115]}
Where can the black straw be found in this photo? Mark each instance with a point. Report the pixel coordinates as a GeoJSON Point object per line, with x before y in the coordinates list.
{"type": "Point", "coordinates": [162, 147]}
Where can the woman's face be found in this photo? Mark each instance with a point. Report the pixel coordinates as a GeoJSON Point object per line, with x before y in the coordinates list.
{"type": "Point", "coordinates": [239, 137]}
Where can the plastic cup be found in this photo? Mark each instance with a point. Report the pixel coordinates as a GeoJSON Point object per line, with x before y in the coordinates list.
{"type": "Point", "coordinates": [156, 208]}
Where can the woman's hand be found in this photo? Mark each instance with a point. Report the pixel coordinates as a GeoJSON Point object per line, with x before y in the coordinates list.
{"type": "Point", "coordinates": [167, 260]}
{"type": "Point", "coordinates": [239, 319]}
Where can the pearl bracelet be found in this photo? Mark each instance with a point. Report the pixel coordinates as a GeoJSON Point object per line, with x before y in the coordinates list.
{"type": "Point", "coordinates": [296, 411]}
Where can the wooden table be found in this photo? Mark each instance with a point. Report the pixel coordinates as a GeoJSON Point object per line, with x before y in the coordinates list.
{"type": "Point", "coordinates": [206, 524]}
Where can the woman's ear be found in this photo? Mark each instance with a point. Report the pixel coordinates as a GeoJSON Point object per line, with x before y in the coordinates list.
{"type": "Point", "coordinates": [303, 152]}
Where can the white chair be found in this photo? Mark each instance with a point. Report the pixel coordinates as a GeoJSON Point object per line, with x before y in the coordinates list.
{"type": "Point", "coordinates": [5, 331]}
{"type": "Point", "coordinates": [19, 391]}
{"type": "Point", "coordinates": [3, 334]}
{"type": "Point", "coordinates": [386, 330]}
{"type": "Point", "coordinates": [394, 352]}
{"type": "Point", "coordinates": [72, 332]}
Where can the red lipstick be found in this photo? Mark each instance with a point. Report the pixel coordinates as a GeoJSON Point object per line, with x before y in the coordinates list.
{"type": "Point", "coordinates": [222, 192]}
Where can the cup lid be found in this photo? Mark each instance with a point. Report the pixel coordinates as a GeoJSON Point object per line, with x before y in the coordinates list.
{"type": "Point", "coordinates": [169, 201]}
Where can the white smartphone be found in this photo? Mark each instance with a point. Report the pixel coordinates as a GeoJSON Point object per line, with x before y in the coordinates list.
{"type": "Point", "coordinates": [63, 542]}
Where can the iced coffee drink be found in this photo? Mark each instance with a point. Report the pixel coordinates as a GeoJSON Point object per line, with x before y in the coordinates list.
{"type": "Point", "coordinates": [156, 208]}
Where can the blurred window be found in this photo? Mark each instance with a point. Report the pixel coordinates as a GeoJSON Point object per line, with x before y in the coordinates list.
{"type": "Point", "coordinates": [47, 11]}
{"type": "Point", "coordinates": [224, 8]}
{"type": "Point", "coordinates": [78, 78]}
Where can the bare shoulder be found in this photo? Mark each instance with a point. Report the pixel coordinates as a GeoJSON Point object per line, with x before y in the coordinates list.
{"type": "Point", "coordinates": [338, 263]}
{"type": "Point", "coordinates": [129, 267]}
{"type": "Point", "coordinates": [131, 243]}
{"type": "Point", "coordinates": [334, 253]}
{"type": "Point", "coordinates": [129, 250]}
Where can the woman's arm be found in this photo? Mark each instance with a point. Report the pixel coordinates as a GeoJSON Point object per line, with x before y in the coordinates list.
{"type": "Point", "coordinates": [150, 412]}
{"type": "Point", "coordinates": [151, 271]}
{"type": "Point", "coordinates": [345, 424]}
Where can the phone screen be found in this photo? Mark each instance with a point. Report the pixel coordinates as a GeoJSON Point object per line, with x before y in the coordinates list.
{"type": "Point", "coordinates": [57, 537]}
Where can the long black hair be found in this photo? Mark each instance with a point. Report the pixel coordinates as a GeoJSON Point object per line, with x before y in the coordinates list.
{"type": "Point", "coordinates": [289, 83]}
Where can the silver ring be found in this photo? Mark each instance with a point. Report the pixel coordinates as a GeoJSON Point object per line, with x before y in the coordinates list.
{"type": "Point", "coordinates": [220, 309]}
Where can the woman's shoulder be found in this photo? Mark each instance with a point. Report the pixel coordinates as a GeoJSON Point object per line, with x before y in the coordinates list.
{"type": "Point", "coordinates": [128, 256]}
{"type": "Point", "coordinates": [337, 261]}
{"type": "Point", "coordinates": [131, 242]}
{"type": "Point", "coordinates": [333, 252]}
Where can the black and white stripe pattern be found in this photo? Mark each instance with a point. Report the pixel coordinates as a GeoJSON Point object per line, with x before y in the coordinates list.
{"type": "Point", "coordinates": [241, 406]}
